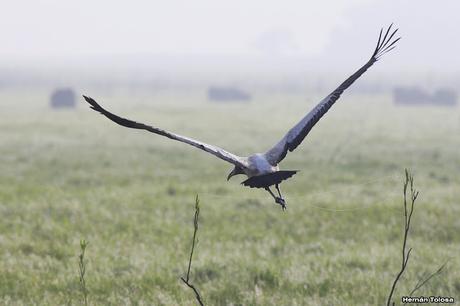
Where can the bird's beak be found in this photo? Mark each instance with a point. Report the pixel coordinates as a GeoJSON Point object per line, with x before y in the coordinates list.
{"type": "Point", "coordinates": [231, 174]}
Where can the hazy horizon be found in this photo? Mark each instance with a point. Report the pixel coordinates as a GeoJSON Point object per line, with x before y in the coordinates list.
{"type": "Point", "coordinates": [228, 41]}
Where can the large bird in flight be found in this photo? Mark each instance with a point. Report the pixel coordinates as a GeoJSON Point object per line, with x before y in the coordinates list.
{"type": "Point", "coordinates": [262, 169]}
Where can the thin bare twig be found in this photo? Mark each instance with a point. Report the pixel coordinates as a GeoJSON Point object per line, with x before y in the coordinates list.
{"type": "Point", "coordinates": [82, 270]}
{"type": "Point", "coordinates": [194, 241]}
{"type": "Point", "coordinates": [409, 182]}
{"type": "Point", "coordinates": [422, 282]}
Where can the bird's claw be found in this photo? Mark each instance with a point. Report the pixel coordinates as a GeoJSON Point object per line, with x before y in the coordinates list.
{"type": "Point", "coordinates": [281, 202]}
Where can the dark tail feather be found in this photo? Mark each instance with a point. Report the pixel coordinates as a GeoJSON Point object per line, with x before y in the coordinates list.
{"type": "Point", "coordinates": [267, 180]}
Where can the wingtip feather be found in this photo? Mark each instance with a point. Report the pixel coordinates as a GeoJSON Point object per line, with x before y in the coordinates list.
{"type": "Point", "coordinates": [385, 43]}
{"type": "Point", "coordinates": [93, 104]}
{"type": "Point", "coordinates": [88, 99]}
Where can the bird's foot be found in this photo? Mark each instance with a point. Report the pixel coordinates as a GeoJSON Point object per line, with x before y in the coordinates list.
{"type": "Point", "coordinates": [281, 202]}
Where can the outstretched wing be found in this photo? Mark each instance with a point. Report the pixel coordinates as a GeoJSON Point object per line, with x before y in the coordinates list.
{"type": "Point", "coordinates": [220, 153]}
{"type": "Point", "coordinates": [297, 134]}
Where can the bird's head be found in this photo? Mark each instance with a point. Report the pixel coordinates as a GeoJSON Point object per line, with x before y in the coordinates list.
{"type": "Point", "coordinates": [236, 170]}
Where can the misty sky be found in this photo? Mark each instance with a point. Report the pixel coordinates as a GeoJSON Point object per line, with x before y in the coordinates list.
{"type": "Point", "coordinates": [53, 27]}
{"type": "Point", "coordinates": [34, 30]}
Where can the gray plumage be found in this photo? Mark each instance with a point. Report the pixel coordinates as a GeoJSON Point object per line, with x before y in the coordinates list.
{"type": "Point", "coordinates": [262, 168]}
{"type": "Point", "coordinates": [297, 134]}
{"type": "Point", "coordinates": [219, 152]}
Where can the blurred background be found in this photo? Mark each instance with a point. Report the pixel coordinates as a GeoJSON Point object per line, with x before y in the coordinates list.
{"type": "Point", "coordinates": [270, 46]}
{"type": "Point", "coordinates": [237, 74]}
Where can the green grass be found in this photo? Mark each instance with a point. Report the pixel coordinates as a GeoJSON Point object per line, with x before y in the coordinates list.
{"type": "Point", "coordinates": [72, 175]}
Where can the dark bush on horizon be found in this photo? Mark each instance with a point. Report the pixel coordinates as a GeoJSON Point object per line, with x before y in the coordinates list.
{"type": "Point", "coordinates": [62, 98]}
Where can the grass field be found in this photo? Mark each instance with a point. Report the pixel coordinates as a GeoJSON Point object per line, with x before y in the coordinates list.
{"type": "Point", "coordinates": [71, 175]}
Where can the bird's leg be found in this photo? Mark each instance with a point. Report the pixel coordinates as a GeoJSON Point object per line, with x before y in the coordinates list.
{"type": "Point", "coordinates": [278, 200]}
{"type": "Point", "coordinates": [278, 189]}
{"type": "Point", "coordinates": [270, 191]}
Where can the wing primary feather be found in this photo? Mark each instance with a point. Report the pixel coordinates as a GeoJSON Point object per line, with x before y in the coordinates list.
{"type": "Point", "coordinates": [389, 39]}
{"type": "Point", "coordinates": [386, 34]}
{"type": "Point", "coordinates": [392, 44]}
{"type": "Point", "coordinates": [388, 48]}
{"type": "Point", "coordinates": [386, 43]}
{"type": "Point", "coordinates": [378, 43]}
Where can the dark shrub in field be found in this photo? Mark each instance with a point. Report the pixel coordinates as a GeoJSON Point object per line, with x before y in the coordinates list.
{"type": "Point", "coordinates": [63, 98]}
{"type": "Point", "coordinates": [227, 94]}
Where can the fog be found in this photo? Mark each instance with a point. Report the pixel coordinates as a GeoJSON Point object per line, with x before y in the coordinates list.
{"type": "Point", "coordinates": [233, 41]}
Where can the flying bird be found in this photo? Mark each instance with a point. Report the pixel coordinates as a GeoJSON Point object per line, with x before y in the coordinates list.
{"type": "Point", "coordinates": [262, 169]}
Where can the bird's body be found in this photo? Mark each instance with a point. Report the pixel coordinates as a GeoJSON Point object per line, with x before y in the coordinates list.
{"type": "Point", "coordinates": [258, 164]}
{"type": "Point", "coordinates": [262, 169]}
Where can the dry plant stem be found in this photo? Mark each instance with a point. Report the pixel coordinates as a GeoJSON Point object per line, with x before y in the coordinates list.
{"type": "Point", "coordinates": [195, 225]}
{"type": "Point", "coordinates": [197, 294]}
{"type": "Point", "coordinates": [409, 181]}
{"type": "Point", "coordinates": [82, 270]}
{"type": "Point", "coordinates": [421, 282]}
